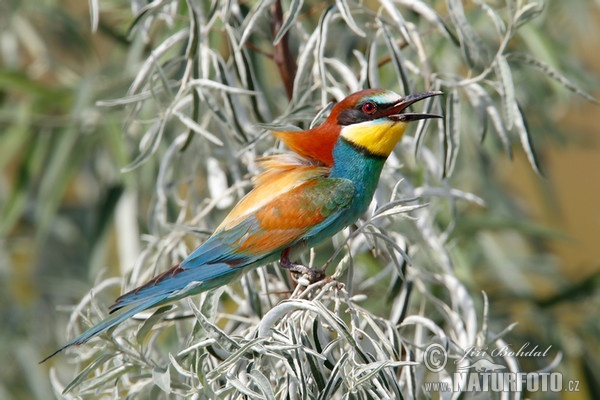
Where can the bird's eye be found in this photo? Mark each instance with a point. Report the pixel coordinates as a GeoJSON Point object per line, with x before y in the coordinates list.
{"type": "Point", "coordinates": [369, 107]}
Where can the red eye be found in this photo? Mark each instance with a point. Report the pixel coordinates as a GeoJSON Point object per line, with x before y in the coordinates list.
{"type": "Point", "coordinates": [369, 108]}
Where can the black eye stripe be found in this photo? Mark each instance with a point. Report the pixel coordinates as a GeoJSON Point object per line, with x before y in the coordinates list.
{"type": "Point", "coordinates": [352, 116]}
{"type": "Point", "coordinates": [358, 114]}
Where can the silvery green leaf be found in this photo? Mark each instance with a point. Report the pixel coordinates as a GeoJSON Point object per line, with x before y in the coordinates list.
{"type": "Point", "coordinates": [427, 323]}
{"type": "Point", "coordinates": [290, 18]}
{"type": "Point", "coordinates": [126, 100]}
{"type": "Point", "coordinates": [363, 72]}
{"type": "Point", "coordinates": [344, 10]}
{"type": "Point", "coordinates": [451, 131]}
{"type": "Point", "coordinates": [373, 65]}
{"type": "Point", "coordinates": [320, 116]}
{"type": "Point", "coordinates": [473, 49]}
{"type": "Point", "coordinates": [323, 29]}
{"type": "Point", "coordinates": [527, 13]}
{"type": "Point", "coordinates": [162, 378]}
{"type": "Point", "coordinates": [420, 130]}
{"type": "Point", "coordinates": [449, 193]}
{"type": "Point", "coordinates": [396, 15]}
{"type": "Point", "coordinates": [371, 370]}
{"type": "Point", "coordinates": [250, 22]}
{"type": "Point", "coordinates": [397, 60]}
{"type": "Point", "coordinates": [237, 55]}
{"type": "Point", "coordinates": [283, 127]}
{"type": "Point", "coordinates": [84, 374]}
{"type": "Point", "coordinates": [217, 184]}
{"type": "Point", "coordinates": [552, 73]}
{"type": "Point", "coordinates": [148, 145]}
{"type": "Point", "coordinates": [525, 138]}
{"type": "Point", "coordinates": [242, 388]}
{"type": "Point", "coordinates": [263, 384]}
{"type": "Point", "coordinates": [335, 379]}
{"type": "Point", "coordinates": [480, 98]}
{"type": "Point", "coordinates": [180, 368]}
{"type": "Point", "coordinates": [109, 375]}
{"type": "Point", "coordinates": [150, 322]}
{"type": "Point", "coordinates": [305, 64]}
{"type": "Point", "coordinates": [157, 53]}
{"type": "Point", "coordinates": [193, 125]}
{"type": "Point", "coordinates": [425, 10]}
{"type": "Point", "coordinates": [507, 90]}
{"type": "Point", "coordinates": [213, 331]}
{"type": "Point", "coordinates": [94, 14]}
{"type": "Point", "coordinates": [493, 16]}
{"type": "Point", "coordinates": [401, 209]}
{"type": "Point", "coordinates": [512, 7]}
{"type": "Point", "coordinates": [240, 353]}
{"type": "Point", "coordinates": [211, 84]}
{"type": "Point", "coordinates": [345, 72]}
{"type": "Point", "coordinates": [389, 241]}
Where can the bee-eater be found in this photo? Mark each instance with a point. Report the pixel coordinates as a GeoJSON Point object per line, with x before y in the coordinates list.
{"type": "Point", "coordinates": [294, 204]}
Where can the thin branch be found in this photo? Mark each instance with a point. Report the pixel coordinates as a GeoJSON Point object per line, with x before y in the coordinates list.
{"type": "Point", "coordinates": [282, 56]}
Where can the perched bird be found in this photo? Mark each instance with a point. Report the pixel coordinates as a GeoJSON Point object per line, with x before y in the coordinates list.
{"type": "Point", "coordinates": [317, 143]}
{"type": "Point", "coordinates": [294, 204]}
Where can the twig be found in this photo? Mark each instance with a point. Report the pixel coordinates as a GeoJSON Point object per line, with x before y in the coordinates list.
{"type": "Point", "coordinates": [282, 56]}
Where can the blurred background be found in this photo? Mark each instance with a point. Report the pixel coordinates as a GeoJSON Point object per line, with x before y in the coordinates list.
{"type": "Point", "coordinates": [61, 187]}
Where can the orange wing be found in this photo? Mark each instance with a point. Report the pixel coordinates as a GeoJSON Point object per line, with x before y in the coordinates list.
{"type": "Point", "coordinates": [282, 174]}
{"type": "Point", "coordinates": [290, 199]}
{"type": "Point", "coordinates": [298, 214]}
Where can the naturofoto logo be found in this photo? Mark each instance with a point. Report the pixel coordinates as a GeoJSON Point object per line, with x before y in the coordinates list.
{"type": "Point", "coordinates": [478, 371]}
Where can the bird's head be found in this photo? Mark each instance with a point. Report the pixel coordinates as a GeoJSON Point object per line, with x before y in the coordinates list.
{"type": "Point", "coordinates": [376, 121]}
{"type": "Point", "coordinates": [372, 118]}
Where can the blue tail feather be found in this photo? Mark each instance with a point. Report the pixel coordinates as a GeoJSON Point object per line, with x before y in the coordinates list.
{"type": "Point", "coordinates": [107, 323]}
{"type": "Point", "coordinates": [171, 286]}
{"type": "Point", "coordinates": [212, 264]}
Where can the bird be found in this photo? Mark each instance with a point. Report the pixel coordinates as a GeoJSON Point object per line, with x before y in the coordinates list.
{"type": "Point", "coordinates": [299, 200]}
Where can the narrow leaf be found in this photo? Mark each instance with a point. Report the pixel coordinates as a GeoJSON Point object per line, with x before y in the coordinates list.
{"type": "Point", "coordinates": [194, 126]}
{"type": "Point", "coordinates": [452, 131]}
{"type": "Point", "coordinates": [397, 60]}
{"type": "Point", "coordinates": [493, 16]}
{"type": "Point", "coordinates": [527, 13]}
{"type": "Point", "coordinates": [87, 371]}
{"type": "Point", "coordinates": [263, 384]}
{"type": "Point", "coordinates": [252, 18]}
{"type": "Point", "coordinates": [508, 90]}
{"type": "Point", "coordinates": [525, 137]}
{"type": "Point", "coordinates": [342, 6]}
{"type": "Point", "coordinates": [162, 378]}
{"type": "Point", "coordinates": [334, 380]}
{"type": "Point", "coordinates": [471, 44]}
{"type": "Point", "coordinates": [152, 60]}
{"type": "Point", "coordinates": [150, 322]}
{"type": "Point", "coordinates": [552, 73]}
{"type": "Point", "coordinates": [289, 20]}
{"type": "Point", "coordinates": [148, 145]}
{"type": "Point", "coordinates": [478, 94]}
{"type": "Point", "coordinates": [427, 12]}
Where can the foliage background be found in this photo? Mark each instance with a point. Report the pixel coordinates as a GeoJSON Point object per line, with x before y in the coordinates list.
{"type": "Point", "coordinates": [70, 218]}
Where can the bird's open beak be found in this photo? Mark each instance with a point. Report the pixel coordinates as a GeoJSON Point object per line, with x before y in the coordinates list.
{"type": "Point", "coordinates": [395, 112]}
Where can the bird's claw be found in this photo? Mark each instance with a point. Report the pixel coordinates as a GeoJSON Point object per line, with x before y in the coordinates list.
{"type": "Point", "coordinates": [306, 273]}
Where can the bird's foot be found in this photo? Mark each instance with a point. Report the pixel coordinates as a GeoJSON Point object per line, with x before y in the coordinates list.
{"type": "Point", "coordinates": [306, 273]}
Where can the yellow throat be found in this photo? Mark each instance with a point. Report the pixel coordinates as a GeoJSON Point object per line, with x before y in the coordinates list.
{"type": "Point", "coordinates": [378, 137]}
